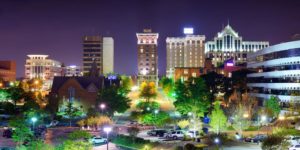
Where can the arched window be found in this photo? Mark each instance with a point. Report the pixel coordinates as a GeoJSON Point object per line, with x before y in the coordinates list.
{"type": "Point", "coordinates": [71, 91]}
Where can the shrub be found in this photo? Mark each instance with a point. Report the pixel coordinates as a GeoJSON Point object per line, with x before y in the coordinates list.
{"type": "Point", "coordinates": [133, 131]}
{"type": "Point", "coordinates": [189, 146]}
{"type": "Point", "coordinates": [274, 142]}
{"type": "Point", "coordinates": [79, 134]}
{"type": "Point", "coordinates": [75, 145]}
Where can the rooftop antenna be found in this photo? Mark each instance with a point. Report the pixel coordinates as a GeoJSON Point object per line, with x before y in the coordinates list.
{"type": "Point", "coordinates": [228, 22]}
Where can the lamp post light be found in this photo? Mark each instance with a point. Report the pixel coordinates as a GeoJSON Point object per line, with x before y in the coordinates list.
{"type": "Point", "coordinates": [33, 120]}
{"type": "Point", "coordinates": [217, 141]}
{"type": "Point", "coordinates": [102, 107]}
{"type": "Point", "coordinates": [148, 108]}
{"type": "Point", "coordinates": [107, 130]}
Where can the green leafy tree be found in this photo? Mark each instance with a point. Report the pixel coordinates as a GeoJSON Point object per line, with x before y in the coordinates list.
{"type": "Point", "coordinates": [168, 86]}
{"type": "Point", "coordinates": [240, 122]}
{"type": "Point", "coordinates": [16, 94]}
{"type": "Point", "coordinates": [157, 119]}
{"type": "Point", "coordinates": [218, 119]}
{"type": "Point", "coordinates": [22, 132]}
{"type": "Point", "coordinates": [126, 84]}
{"type": "Point", "coordinates": [147, 106]}
{"type": "Point", "coordinates": [148, 91]}
{"type": "Point", "coordinates": [272, 105]}
{"type": "Point", "coordinates": [183, 124]}
{"type": "Point", "coordinates": [36, 145]}
{"type": "Point", "coordinates": [70, 112]}
{"type": "Point", "coordinates": [113, 99]}
{"type": "Point", "coordinates": [192, 96]}
{"type": "Point", "coordinates": [4, 95]}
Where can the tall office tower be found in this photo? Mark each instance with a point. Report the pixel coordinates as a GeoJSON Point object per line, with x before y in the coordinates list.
{"type": "Point", "coordinates": [100, 50]}
{"type": "Point", "coordinates": [228, 44]}
{"type": "Point", "coordinates": [185, 52]}
{"type": "Point", "coordinates": [40, 66]}
{"type": "Point", "coordinates": [147, 56]}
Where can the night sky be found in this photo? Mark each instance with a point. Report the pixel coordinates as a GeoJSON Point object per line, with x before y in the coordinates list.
{"type": "Point", "coordinates": [55, 27]}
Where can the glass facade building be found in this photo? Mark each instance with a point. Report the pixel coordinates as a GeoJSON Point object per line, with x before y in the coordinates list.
{"type": "Point", "coordinates": [277, 72]}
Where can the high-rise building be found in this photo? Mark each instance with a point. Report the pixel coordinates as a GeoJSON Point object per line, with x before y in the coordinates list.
{"type": "Point", "coordinates": [147, 56]}
{"type": "Point", "coordinates": [101, 50]}
{"type": "Point", "coordinates": [187, 52]}
{"type": "Point", "coordinates": [41, 67]}
{"type": "Point", "coordinates": [7, 70]}
{"type": "Point", "coordinates": [277, 73]}
{"type": "Point", "coordinates": [228, 44]}
{"type": "Point", "coordinates": [73, 70]}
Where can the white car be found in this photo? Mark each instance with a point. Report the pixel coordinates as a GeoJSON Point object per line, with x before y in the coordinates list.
{"type": "Point", "coordinates": [97, 140]}
{"type": "Point", "coordinates": [294, 140]}
{"type": "Point", "coordinates": [193, 134]}
{"type": "Point", "coordinates": [295, 147]}
{"type": "Point", "coordinates": [177, 134]}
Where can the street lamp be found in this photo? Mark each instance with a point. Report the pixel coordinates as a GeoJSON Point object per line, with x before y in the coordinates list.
{"type": "Point", "coordinates": [217, 141]}
{"type": "Point", "coordinates": [33, 120]}
{"type": "Point", "coordinates": [148, 108]}
{"type": "Point", "coordinates": [102, 107]}
{"type": "Point", "coordinates": [107, 130]}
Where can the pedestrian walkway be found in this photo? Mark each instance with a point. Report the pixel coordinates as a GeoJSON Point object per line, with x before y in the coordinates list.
{"type": "Point", "coordinates": [111, 146]}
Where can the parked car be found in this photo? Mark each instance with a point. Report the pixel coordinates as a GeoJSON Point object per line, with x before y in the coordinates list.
{"type": "Point", "coordinates": [177, 134]}
{"type": "Point", "coordinates": [157, 132]}
{"type": "Point", "coordinates": [193, 133]}
{"type": "Point", "coordinates": [257, 138]}
{"type": "Point", "coordinates": [293, 140]}
{"type": "Point", "coordinates": [295, 147]}
{"type": "Point", "coordinates": [97, 140]}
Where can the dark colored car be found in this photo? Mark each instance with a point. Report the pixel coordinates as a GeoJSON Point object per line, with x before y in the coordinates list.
{"type": "Point", "coordinates": [257, 138]}
{"type": "Point", "coordinates": [7, 133]}
{"type": "Point", "coordinates": [157, 132]}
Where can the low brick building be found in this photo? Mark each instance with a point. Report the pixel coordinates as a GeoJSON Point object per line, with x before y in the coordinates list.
{"type": "Point", "coordinates": [83, 90]}
{"type": "Point", "coordinates": [8, 70]}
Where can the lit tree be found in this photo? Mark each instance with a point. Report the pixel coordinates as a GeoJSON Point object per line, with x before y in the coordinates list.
{"type": "Point", "coordinates": [148, 91]}
{"type": "Point", "coordinates": [113, 99]}
{"type": "Point", "coordinates": [240, 121]}
{"type": "Point", "coordinates": [126, 84]}
{"type": "Point", "coordinates": [70, 111]}
{"type": "Point", "coordinates": [168, 85]}
{"type": "Point", "coordinates": [4, 95]}
{"type": "Point", "coordinates": [192, 97]}
{"type": "Point", "coordinates": [183, 124]}
{"type": "Point", "coordinates": [21, 132]}
{"type": "Point", "coordinates": [272, 106]}
{"type": "Point", "coordinates": [218, 119]}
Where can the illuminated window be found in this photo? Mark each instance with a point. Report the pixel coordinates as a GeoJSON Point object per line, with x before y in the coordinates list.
{"type": "Point", "coordinates": [142, 50]}
{"type": "Point", "coordinates": [185, 71]}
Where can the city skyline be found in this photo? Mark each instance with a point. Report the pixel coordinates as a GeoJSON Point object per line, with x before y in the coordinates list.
{"type": "Point", "coordinates": [54, 28]}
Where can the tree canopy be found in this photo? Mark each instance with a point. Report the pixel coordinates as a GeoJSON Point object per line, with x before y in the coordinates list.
{"type": "Point", "coordinates": [148, 91]}
{"type": "Point", "coordinates": [218, 119]}
{"type": "Point", "coordinates": [113, 99]}
{"type": "Point", "coordinates": [272, 105]}
{"type": "Point", "coordinates": [192, 96]}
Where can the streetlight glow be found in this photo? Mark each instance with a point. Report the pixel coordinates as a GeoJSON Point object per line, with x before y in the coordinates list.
{"type": "Point", "coordinates": [107, 130]}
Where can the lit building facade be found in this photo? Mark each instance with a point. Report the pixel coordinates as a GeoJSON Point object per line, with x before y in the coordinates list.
{"type": "Point", "coordinates": [41, 67]}
{"type": "Point", "coordinates": [7, 70]}
{"type": "Point", "coordinates": [147, 56]}
{"type": "Point", "coordinates": [73, 70]}
{"type": "Point", "coordinates": [228, 44]}
{"type": "Point", "coordinates": [101, 50]}
{"type": "Point", "coordinates": [184, 52]}
{"type": "Point", "coordinates": [277, 72]}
